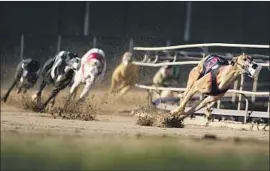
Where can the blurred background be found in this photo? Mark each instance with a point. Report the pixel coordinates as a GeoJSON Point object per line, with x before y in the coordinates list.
{"type": "Point", "coordinates": [48, 27]}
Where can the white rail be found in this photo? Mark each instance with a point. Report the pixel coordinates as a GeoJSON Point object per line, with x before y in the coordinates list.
{"type": "Point", "coordinates": [266, 94]}
{"type": "Point", "coordinates": [178, 63]}
{"type": "Point", "coordinates": [200, 45]}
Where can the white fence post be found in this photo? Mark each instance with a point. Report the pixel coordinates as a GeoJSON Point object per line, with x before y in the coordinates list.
{"type": "Point", "coordinates": [22, 46]}
{"type": "Point", "coordinates": [86, 19]}
{"type": "Point", "coordinates": [241, 89]}
{"type": "Point", "coordinates": [268, 108]}
{"type": "Point", "coordinates": [131, 45]}
{"type": "Point", "coordinates": [188, 21]}
{"type": "Point", "coordinates": [168, 43]}
{"type": "Point", "coordinates": [58, 43]}
{"type": "Point", "coordinates": [94, 42]}
{"type": "Point", "coordinates": [254, 88]}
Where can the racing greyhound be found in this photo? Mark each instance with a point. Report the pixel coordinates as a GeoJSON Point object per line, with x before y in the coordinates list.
{"type": "Point", "coordinates": [213, 77]}
{"type": "Point", "coordinates": [58, 71]}
{"type": "Point", "coordinates": [92, 71]}
{"type": "Point", "coordinates": [26, 76]}
{"type": "Point", "coordinates": [124, 76]}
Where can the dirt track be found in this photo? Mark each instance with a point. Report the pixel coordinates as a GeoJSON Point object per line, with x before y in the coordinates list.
{"type": "Point", "coordinates": [112, 121]}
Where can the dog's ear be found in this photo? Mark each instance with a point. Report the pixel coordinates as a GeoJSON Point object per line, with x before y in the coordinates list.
{"type": "Point", "coordinates": [234, 60]}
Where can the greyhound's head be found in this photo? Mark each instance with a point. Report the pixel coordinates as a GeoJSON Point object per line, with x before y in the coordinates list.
{"type": "Point", "coordinates": [127, 58]}
{"type": "Point", "coordinates": [247, 65]}
{"type": "Point", "coordinates": [75, 63]}
{"type": "Point", "coordinates": [91, 69]}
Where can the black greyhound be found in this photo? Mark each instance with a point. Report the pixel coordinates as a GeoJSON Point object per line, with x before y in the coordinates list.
{"type": "Point", "coordinates": [58, 71]}
{"type": "Point", "coordinates": [26, 76]}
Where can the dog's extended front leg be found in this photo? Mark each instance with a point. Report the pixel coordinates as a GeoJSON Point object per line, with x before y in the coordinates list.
{"type": "Point", "coordinates": [114, 84]}
{"type": "Point", "coordinates": [86, 90]}
{"type": "Point", "coordinates": [9, 90]}
{"type": "Point", "coordinates": [200, 105]}
{"type": "Point", "coordinates": [72, 92]}
{"type": "Point", "coordinates": [208, 109]}
{"type": "Point", "coordinates": [37, 96]}
{"type": "Point", "coordinates": [124, 91]}
{"type": "Point", "coordinates": [52, 96]}
{"type": "Point", "coordinates": [180, 110]}
{"type": "Point", "coordinates": [19, 90]}
{"type": "Point", "coordinates": [193, 76]}
{"type": "Point", "coordinates": [51, 104]}
{"type": "Point", "coordinates": [265, 126]}
{"type": "Point", "coordinates": [202, 85]}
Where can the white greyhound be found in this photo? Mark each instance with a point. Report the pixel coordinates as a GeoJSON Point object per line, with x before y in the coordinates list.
{"type": "Point", "coordinates": [92, 71]}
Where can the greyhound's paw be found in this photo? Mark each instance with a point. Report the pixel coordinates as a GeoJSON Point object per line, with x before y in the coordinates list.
{"type": "Point", "coordinates": [79, 101]}
{"type": "Point", "coordinates": [207, 123]}
{"type": "Point", "coordinates": [4, 100]}
{"type": "Point", "coordinates": [34, 97]}
{"type": "Point", "coordinates": [40, 109]}
{"type": "Point", "coordinates": [176, 112]}
{"type": "Point", "coordinates": [181, 95]}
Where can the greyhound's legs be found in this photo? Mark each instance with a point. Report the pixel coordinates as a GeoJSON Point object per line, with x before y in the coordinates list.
{"type": "Point", "coordinates": [180, 109]}
{"type": "Point", "coordinates": [120, 87]}
{"type": "Point", "coordinates": [54, 93]}
{"type": "Point", "coordinates": [208, 109]}
{"type": "Point", "coordinates": [209, 102]}
{"type": "Point", "coordinates": [19, 90]}
{"type": "Point", "coordinates": [52, 96]}
{"type": "Point", "coordinates": [25, 90]}
{"type": "Point", "coordinates": [201, 104]}
{"type": "Point", "coordinates": [85, 91]}
{"type": "Point", "coordinates": [201, 86]}
{"type": "Point", "coordinates": [72, 93]}
{"type": "Point", "coordinates": [114, 84]}
{"type": "Point", "coordinates": [37, 95]}
{"type": "Point", "coordinates": [124, 90]}
{"type": "Point", "coordinates": [9, 90]}
{"type": "Point", "coordinates": [75, 93]}
{"type": "Point", "coordinates": [192, 78]}
{"type": "Point", "coordinates": [74, 87]}
{"type": "Point", "coordinates": [265, 126]}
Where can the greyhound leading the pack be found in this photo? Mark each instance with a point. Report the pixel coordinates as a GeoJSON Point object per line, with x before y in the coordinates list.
{"type": "Point", "coordinates": [213, 77]}
{"type": "Point", "coordinates": [58, 71]}
{"type": "Point", "coordinates": [125, 75]}
{"type": "Point", "coordinates": [92, 71]}
{"type": "Point", "coordinates": [26, 76]}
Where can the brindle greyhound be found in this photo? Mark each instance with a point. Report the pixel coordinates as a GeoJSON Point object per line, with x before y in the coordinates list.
{"type": "Point", "coordinates": [213, 77]}
{"type": "Point", "coordinates": [26, 76]}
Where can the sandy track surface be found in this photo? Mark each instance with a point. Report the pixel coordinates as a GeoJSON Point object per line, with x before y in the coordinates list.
{"type": "Point", "coordinates": [17, 120]}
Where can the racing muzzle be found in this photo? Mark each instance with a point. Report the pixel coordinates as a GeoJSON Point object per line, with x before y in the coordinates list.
{"type": "Point", "coordinates": [253, 69]}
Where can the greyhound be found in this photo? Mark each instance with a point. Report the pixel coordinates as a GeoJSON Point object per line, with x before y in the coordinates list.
{"type": "Point", "coordinates": [124, 76]}
{"type": "Point", "coordinates": [58, 71]}
{"type": "Point", "coordinates": [213, 77]}
{"type": "Point", "coordinates": [163, 78]}
{"type": "Point", "coordinates": [26, 76]}
{"type": "Point", "coordinates": [92, 71]}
